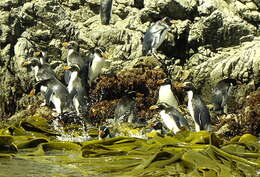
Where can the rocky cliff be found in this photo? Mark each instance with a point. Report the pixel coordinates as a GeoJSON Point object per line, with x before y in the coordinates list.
{"type": "Point", "coordinates": [213, 40]}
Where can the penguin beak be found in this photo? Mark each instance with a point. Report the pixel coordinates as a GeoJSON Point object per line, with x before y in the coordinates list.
{"type": "Point", "coordinates": [153, 107]}
{"type": "Point", "coordinates": [66, 68]}
{"type": "Point", "coordinates": [104, 56]}
{"type": "Point", "coordinates": [32, 92]}
{"type": "Point", "coordinates": [179, 85]}
{"type": "Point", "coordinates": [65, 44]}
{"type": "Point", "coordinates": [36, 54]}
{"type": "Point", "coordinates": [26, 63]}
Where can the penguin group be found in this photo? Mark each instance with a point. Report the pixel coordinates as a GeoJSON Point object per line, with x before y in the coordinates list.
{"type": "Point", "coordinates": [81, 72]}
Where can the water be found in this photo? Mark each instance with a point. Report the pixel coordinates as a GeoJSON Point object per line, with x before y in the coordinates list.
{"type": "Point", "coordinates": [17, 167]}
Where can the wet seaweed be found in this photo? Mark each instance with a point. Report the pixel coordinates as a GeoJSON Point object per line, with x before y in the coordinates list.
{"type": "Point", "coordinates": [141, 79]}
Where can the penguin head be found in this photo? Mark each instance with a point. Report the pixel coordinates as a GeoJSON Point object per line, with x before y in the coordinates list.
{"type": "Point", "coordinates": [160, 106]}
{"type": "Point", "coordinates": [100, 51]}
{"type": "Point", "coordinates": [71, 45]}
{"type": "Point", "coordinates": [32, 62]}
{"type": "Point", "coordinates": [104, 132]}
{"type": "Point", "coordinates": [39, 54]}
{"type": "Point", "coordinates": [72, 67]}
{"type": "Point", "coordinates": [162, 24]}
{"type": "Point", "coordinates": [166, 81]}
{"type": "Point", "coordinates": [188, 86]}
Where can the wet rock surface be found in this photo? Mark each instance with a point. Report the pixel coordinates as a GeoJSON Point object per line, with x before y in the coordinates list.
{"type": "Point", "coordinates": [213, 41]}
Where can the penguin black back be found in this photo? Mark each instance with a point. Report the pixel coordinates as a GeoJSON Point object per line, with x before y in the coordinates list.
{"type": "Point", "coordinates": [154, 37]}
{"type": "Point", "coordinates": [171, 117]}
{"type": "Point", "coordinates": [105, 11]}
{"type": "Point", "coordinates": [197, 108]}
{"type": "Point", "coordinates": [125, 110]}
{"type": "Point", "coordinates": [221, 94]}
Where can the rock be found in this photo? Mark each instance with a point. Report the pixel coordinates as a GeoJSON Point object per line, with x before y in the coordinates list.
{"type": "Point", "coordinates": [210, 41]}
{"type": "Point", "coordinates": [177, 9]}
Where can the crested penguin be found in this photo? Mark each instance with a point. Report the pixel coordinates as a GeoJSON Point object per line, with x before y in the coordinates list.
{"type": "Point", "coordinates": [197, 108]}
{"type": "Point", "coordinates": [171, 117]}
{"type": "Point", "coordinates": [95, 64]}
{"type": "Point", "coordinates": [106, 11]}
{"type": "Point", "coordinates": [42, 56]}
{"type": "Point", "coordinates": [57, 93]}
{"type": "Point", "coordinates": [166, 95]}
{"type": "Point", "coordinates": [221, 94]}
{"type": "Point", "coordinates": [104, 132]}
{"type": "Point", "coordinates": [154, 37]}
{"type": "Point", "coordinates": [42, 71]}
{"type": "Point", "coordinates": [77, 87]}
{"type": "Point", "coordinates": [74, 57]}
{"type": "Point", "coordinates": [125, 110]}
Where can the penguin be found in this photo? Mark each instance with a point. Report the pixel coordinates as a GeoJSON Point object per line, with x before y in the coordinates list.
{"type": "Point", "coordinates": [166, 95]}
{"type": "Point", "coordinates": [154, 37]}
{"type": "Point", "coordinates": [125, 110]}
{"type": "Point", "coordinates": [42, 71]}
{"type": "Point", "coordinates": [104, 132]}
{"type": "Point", "coordinates": [42, 56]}
{"type": "Point", "coordinates": [95, 64]}
{"type": "Point", "coordinates": [171, 117]}
{"type": "Point", "coordinates": [74, 56]}
{"type": "Point", "coordinates": [221, 94]}
{"type": "Point", "coordinates": [106, 11]}
{"type": "Point", "coordinates": [197, 108]}
{"type": "Point", "coordinates": [56, 93]}
{"type": "Point", "coordinates": [77, 88]}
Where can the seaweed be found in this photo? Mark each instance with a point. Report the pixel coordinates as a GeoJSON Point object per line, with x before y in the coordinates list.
{"type": "Point", "coordinates": [142, 79]}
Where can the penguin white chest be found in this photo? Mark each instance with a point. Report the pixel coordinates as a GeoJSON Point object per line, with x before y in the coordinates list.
{"type": "Point", "coordinates": [166, 95]}
{"type": "Point", "coordinates": [190, 108]}
{"type": "Point", "coordinates": [96, 67]}
{"type": "Point", "coordinates": [169, 121]}
{"type": "Point", "coordinates": [160, 38]}
{"type": "Point", "coordinates": [36, 71]}
{"type": "Point", "coordinates": [72, 80]}
{"type": "Point", "coordinates": [57, 103]}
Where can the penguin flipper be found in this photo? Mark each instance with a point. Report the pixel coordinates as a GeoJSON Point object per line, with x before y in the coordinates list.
{"type": "Point", "coordinates": [179, 118]}
{"type": "Point", "coordinates": [48, 95]}
{"type": "Point", "coordinates": [147, 42]}
{"type": "Point", "coordinates": [67, 75]}
{"type": "Point", "coordinates": [201, 115]}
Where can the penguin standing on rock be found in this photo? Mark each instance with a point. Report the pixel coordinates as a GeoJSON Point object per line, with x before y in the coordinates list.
{"type": "Point", "coordinates": [42, 71]}
{"type": "Point", "coordinates": [166, 95]}
{"type": "Point", "coordinates": [76, 87]}
{"type": "Point", "coordinates": [106, 11]}
{"type": "Point", "coordinates": [154, 37]}
{"type": "Point", "coordinates": [95, 64]}
{"type": "Point", "coordinates": [125, 110]}
{"type": "Point", "coordinates": [171, 117]}
{"type": "Point", "coordinates": [221, 94]}
{"type": "Point", "coordinates": [56, 93]}
{"type": "Point", "coordinates": [197, 108]}
{"type": "Point", "coordinates": [74, 56]}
